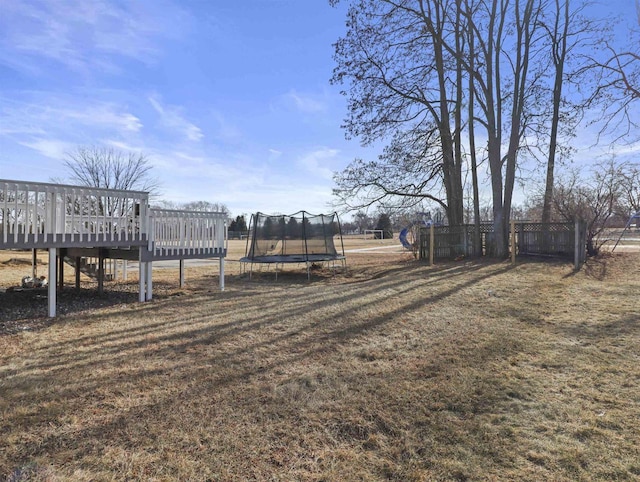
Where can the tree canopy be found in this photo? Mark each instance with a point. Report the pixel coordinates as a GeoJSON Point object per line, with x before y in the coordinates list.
{"type": "Point", "coordinates": [452, 85]}
{"type": "Point", "coordinates": [112, 169]}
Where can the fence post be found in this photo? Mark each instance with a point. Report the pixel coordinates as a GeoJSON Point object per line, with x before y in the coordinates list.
{"type": "Point", "coordinates": [431, 243]}
{"type": "Point", "coordinates": [513, 242]}
{"type": "Point", "coordinates": [579, 247]}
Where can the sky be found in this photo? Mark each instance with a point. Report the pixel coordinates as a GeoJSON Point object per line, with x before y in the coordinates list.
{"type": "Point", "coordinates": [229, 100]}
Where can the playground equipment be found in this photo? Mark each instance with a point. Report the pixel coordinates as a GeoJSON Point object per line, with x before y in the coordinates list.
{"type": "Point", "coordinates": [409, 236]}
{"type": "Point", "coordinates": [634, 221]}
{"type": "Point", "coordinates": [75, 223]}
{"type": "Point", "coordinates": [296, 238]}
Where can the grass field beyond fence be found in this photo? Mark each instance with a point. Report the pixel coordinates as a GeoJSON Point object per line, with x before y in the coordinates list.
{"type": "Point", "coordinates": [394, 371]}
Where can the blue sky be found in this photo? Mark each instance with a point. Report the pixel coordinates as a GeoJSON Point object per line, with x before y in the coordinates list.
{"type": "Point", "coordinates": [230, 100]}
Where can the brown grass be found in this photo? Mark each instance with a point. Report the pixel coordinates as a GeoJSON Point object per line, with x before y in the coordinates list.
{"type": "Point", "coordinates": [394, 371]}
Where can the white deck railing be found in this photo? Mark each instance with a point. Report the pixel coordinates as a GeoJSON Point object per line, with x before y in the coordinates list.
{"type": "Point", "coordinates": [40, 214]}
{"type": "Point", "coordinates": [184, 233]}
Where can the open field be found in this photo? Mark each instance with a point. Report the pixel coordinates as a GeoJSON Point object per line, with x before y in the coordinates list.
{"type": "Point", "coordinates": [392, 371]}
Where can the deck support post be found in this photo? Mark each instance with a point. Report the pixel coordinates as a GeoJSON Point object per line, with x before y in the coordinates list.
{"type": "Point", "coordinates": [182, 273]}
{"type": "Point", "coordinates": [61, 270]}
{"type": "Point", "coordinates": [100, 271]}
{"type": "Point", "coordinates": [77, 268]}
{"type": "Point", "coordinates": [222, 273]}
{"type": "Point", "coordinates": [34, 264]}
{"type": "Point", "coordinates": [149, 280]}
{"type": "Point", "coordinates": [141, 277]}
{"type": "Point", "coordinates": [52, 282]}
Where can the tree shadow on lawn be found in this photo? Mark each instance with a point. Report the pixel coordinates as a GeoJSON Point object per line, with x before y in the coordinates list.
{"type": "Point", "coordinates": [205, 330]}
{"type": "Point", "coordinates": [219, 353]}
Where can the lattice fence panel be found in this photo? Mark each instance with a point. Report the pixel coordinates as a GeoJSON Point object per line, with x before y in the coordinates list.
{"type": "Point", "coordinates": [553, 239]}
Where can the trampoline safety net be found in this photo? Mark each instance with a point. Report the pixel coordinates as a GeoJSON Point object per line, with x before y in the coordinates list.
{"type": "Point", "coordinates": [299, 237]}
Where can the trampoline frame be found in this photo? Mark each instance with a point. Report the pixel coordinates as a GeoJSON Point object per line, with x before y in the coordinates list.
{"type": "Point", "coordinates": [298, 258]}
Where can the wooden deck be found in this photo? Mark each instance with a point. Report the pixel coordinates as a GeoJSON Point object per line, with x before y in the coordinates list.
{"type": "Point", "coordinates": [108, 223]}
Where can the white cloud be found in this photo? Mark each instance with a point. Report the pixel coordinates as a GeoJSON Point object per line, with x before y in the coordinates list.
{"type": "Point", "coordinates": [626, 149]}
{"type": "Point", "coordinates": [104, 114]}
{"type": "Point", "coordinates": [53, 125]}
{"type": "Point", "coordinates": [171, 118]}
{"type": "Point", "coordinates": [307, 103]}
{"type": "Point", "coordinates": [318, 161]}
{"type": "Point", "coordinates": [274, 154]}
{"type": "Point", "coordinates": [225, 130]}
{"type": "Point", "coordinates": [52, 148]}
{"type": "Point", "coordinates": [44, 114]}
{"type": "Point", "coordinates": [84, 36]}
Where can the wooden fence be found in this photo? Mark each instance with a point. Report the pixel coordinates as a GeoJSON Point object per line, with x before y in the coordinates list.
{"type": "Point", "coordinates": [525, 239]}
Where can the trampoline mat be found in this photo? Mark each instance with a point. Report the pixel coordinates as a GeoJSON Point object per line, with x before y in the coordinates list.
{"type": "Point", "coordinates": [293, 258]}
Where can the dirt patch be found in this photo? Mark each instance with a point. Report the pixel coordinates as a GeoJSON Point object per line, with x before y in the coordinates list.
{"type": "Point", "coordinates": [20, 262]}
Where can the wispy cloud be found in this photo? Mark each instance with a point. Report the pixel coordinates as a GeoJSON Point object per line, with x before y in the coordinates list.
{"type": "Point", "coordinates": [52, 148]}
{"type": "Point", "coordinates": [274, 154]}
{"type": "Point", "coordinates": [45, 113]}
{"type": "Point", "coordinates": [225, 130]}
{"type": "Point", "coordinates": [52, 125]}
{"type": "Point", "coordinates": [171, 118]}
{"type": "Point", "coordinates": [84, 36]}
{"type": "Point", "coordinates": [306, 103]}
{"type": "Point", "coordinates": [318, 161]}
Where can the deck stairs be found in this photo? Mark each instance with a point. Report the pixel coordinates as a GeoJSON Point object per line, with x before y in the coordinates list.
{"type": "Point", "coordinates": [89, 267]}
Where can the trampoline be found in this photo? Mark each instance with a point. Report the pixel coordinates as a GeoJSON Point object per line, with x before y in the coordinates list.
{"type": "Point", "coordinates": [301, 238]}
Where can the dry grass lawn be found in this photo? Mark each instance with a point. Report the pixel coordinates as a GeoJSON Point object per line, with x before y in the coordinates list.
{"type": "Point", "coordinates": [394, 371]}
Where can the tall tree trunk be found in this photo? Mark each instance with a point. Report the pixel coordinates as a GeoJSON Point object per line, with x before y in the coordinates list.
{"type": "Point", "coordinates": [559, 52]}
{"type": "Point", "coordinates": [477, 241]}
{"type": "Point", "coordinates": [493, 111]}
{"type": "Point", "coordinates": [524, 25]}
{"type": "Point", "coordinates": [451, 175]}
{"type": "Point", "coordinates": [457, 181]}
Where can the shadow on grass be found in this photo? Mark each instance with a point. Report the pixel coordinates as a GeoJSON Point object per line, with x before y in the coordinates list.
{"type": "Point", "coordinates": [211, 340]}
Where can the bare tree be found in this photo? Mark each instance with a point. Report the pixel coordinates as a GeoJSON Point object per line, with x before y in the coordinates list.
{"type": "Point", "coordinates": [111, 169]}
{"type": "Point", "coordinates": [450, 84]}
{"type": "Point", "coordinates": [505, 51]}
{"type": "Point", "coordinates": [592, 200]}
{"type": "Point", "coordinates": [397, 67]}
{"type": "Point", "coordinates": [413, 67]}
{"type": "Point", "coordinates": [558, 33]}
{"type": "Point", "coordinates": [617, 68]}
{"type": "Point", "coordinates": [629, 186]}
